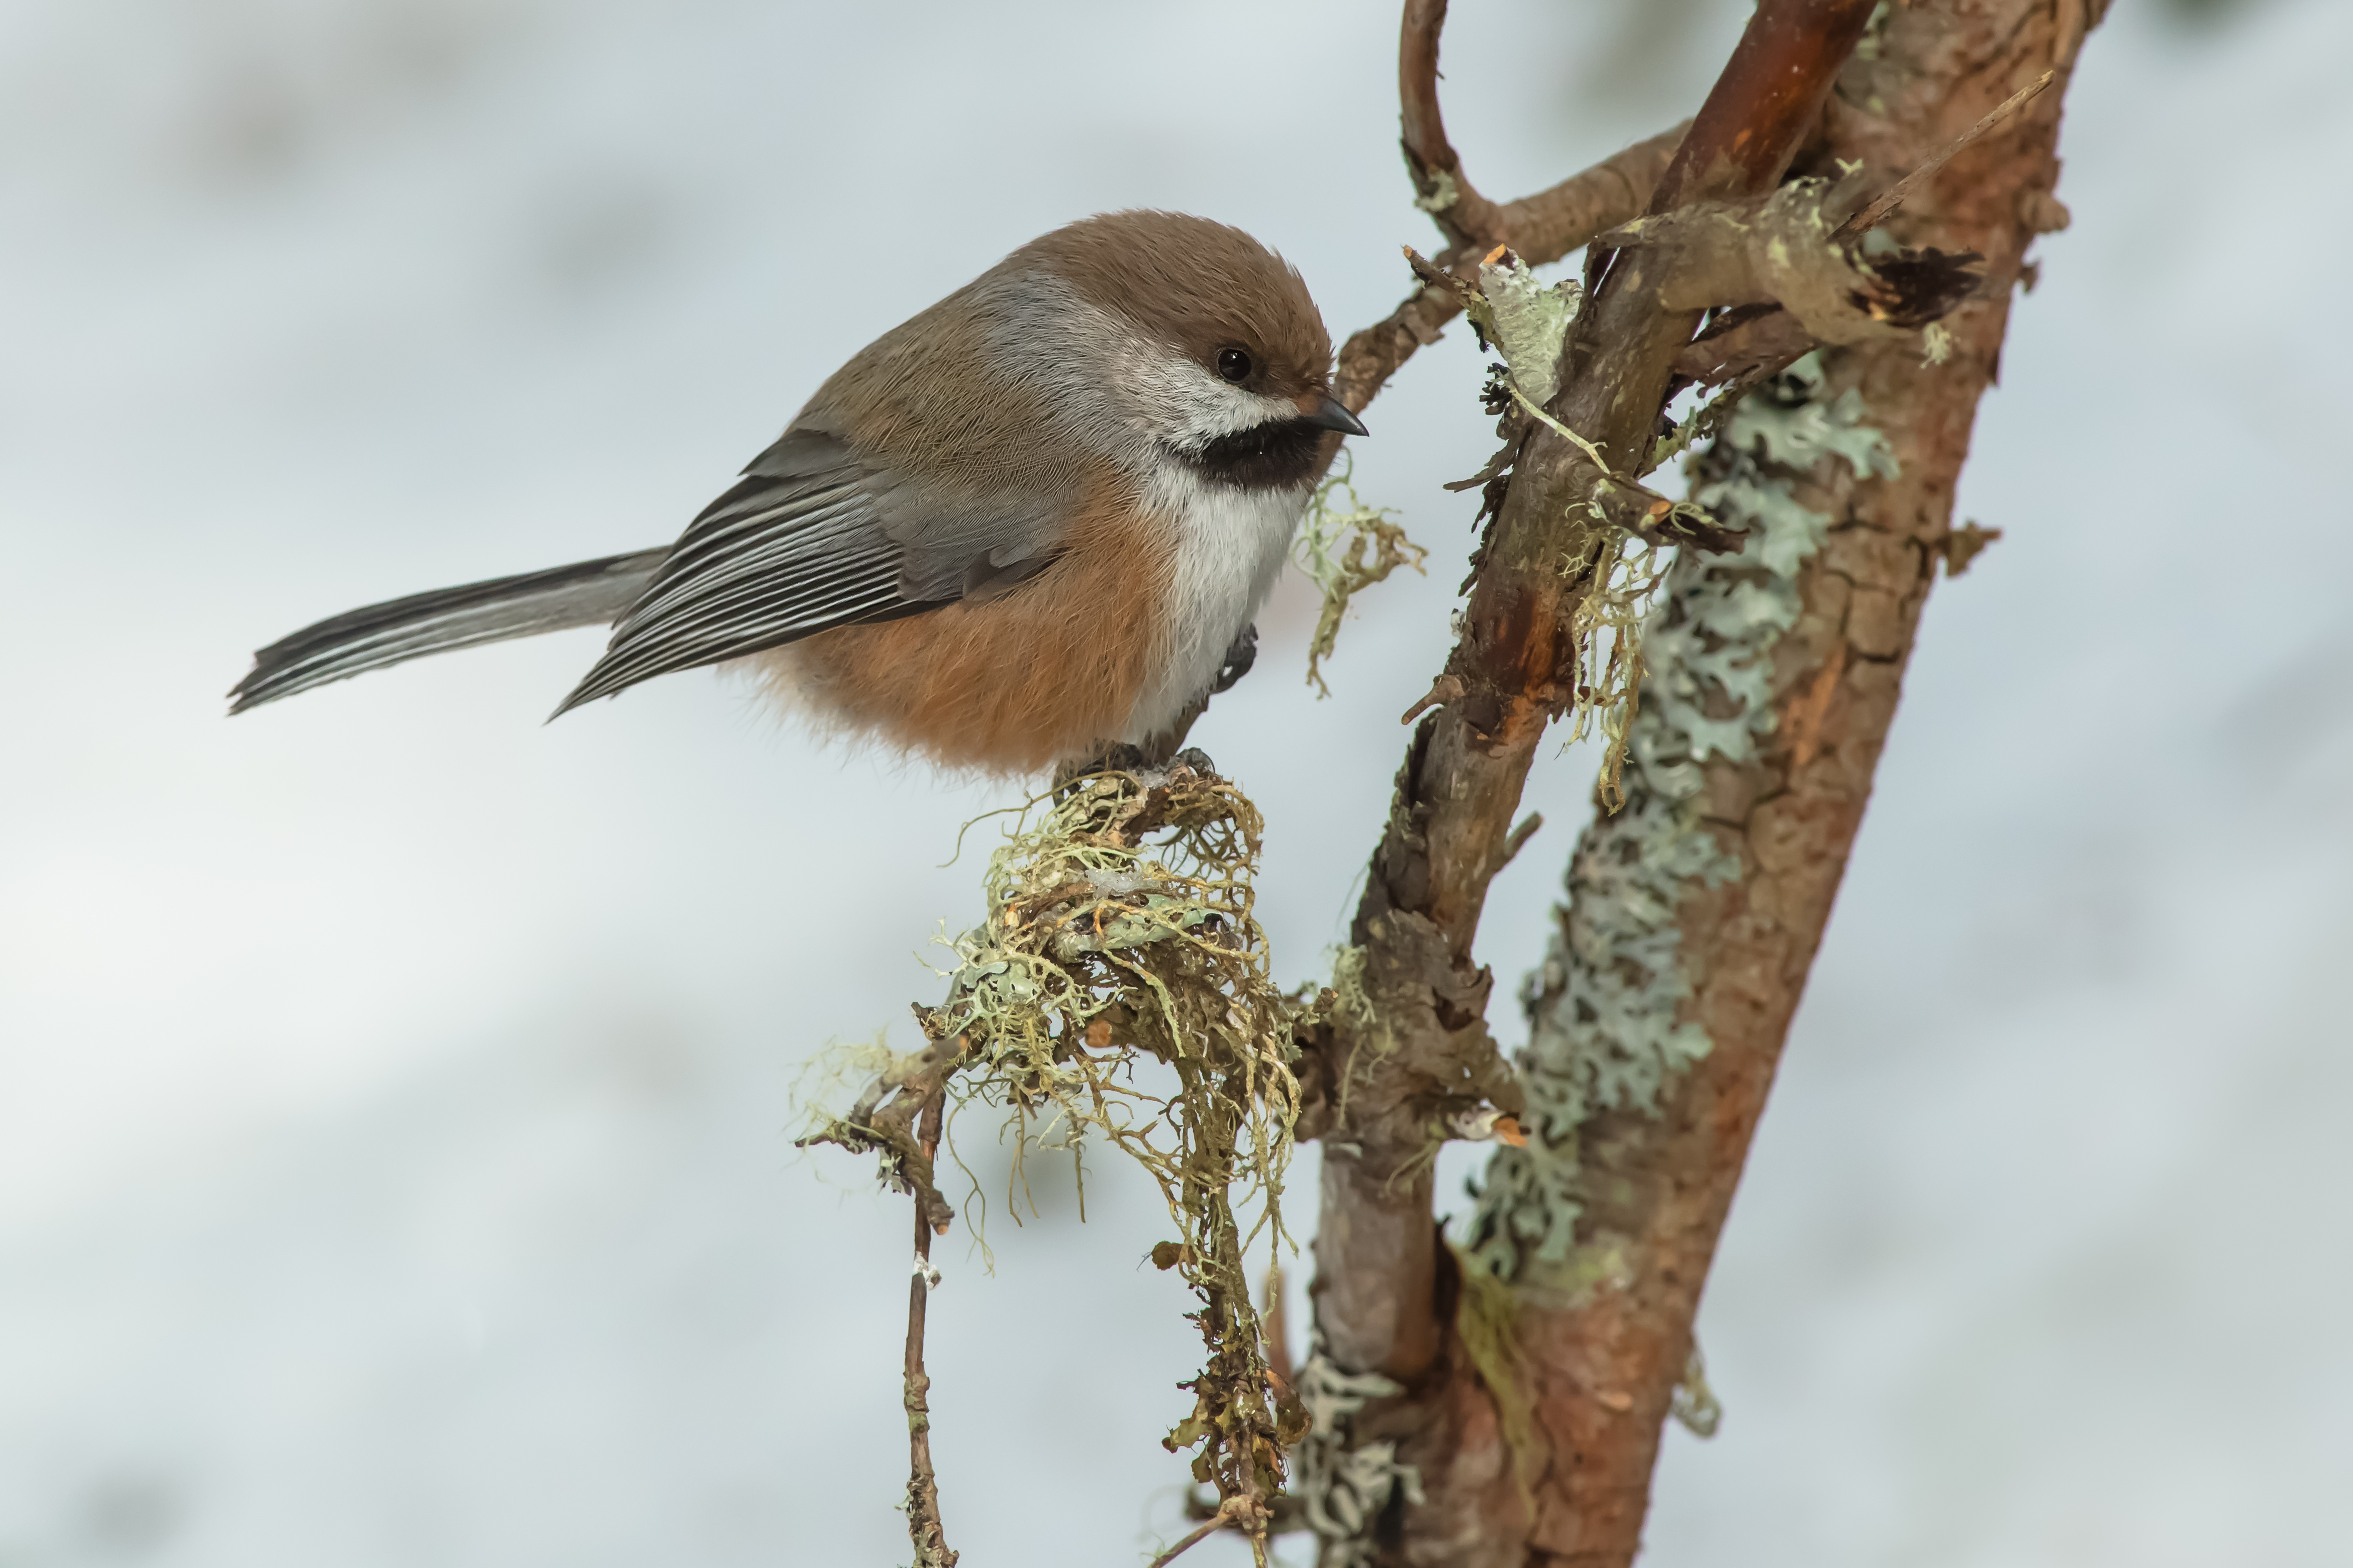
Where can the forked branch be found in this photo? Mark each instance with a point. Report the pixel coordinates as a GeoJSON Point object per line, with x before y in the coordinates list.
{"type": "Point", "coordinates": [1542, 227]}
{"type": "Point", "coordinates": [1384, 1300]}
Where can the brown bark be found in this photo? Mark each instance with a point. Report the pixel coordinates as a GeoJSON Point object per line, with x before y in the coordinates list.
{"type": "Point", "coordinates": [1662, 1185]}
{"type": "Point", "coordinates": [1467, 218]}
{"type": "Point", "coordinates": [1453, 812]}
{"type": "Point", "coordinates": [1603, 1349]}
{"type": "Point", "coordinates": [1377, 1266]}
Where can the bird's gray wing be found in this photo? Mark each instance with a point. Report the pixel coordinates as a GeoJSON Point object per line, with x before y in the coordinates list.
{"type": "Point", "coordinates": [814, 536]}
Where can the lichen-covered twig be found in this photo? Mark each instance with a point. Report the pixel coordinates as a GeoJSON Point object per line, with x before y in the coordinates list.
{"type": "Point", "coordinates": [1120, 930]}
{"type": "Point", "coordinates": [883, 1120]}
{"type": "Point", "coordinates": [1614, 552]}
{"type": "Point", "coordinates": [1783, 249]}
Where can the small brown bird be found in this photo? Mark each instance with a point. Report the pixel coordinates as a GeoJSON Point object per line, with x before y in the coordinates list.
{"type": "Point", "coordinates": [1034, 521]}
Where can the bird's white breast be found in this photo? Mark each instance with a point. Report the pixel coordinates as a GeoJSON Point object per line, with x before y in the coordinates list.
{"type": "Point", "coordinates": [1230, 544]}
{"type": "Point", "coordinates": [1141, 405]}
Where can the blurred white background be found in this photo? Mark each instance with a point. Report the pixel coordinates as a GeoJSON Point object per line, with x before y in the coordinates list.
{"type": "Point", "coordinates": [394, 1093]}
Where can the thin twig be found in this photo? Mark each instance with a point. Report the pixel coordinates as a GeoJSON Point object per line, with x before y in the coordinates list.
{"type": "Point", "coordinates": [1887, 201]}
{"type": "Point", "coordinates": [1543, 227]}
{"type": "Point", "coordinates": [1218, 1521]}
{"type": "Point", "coordinates": [924, 1526]}
{"type": "Point", "coordinates": [1445, 689]}
{"type": "Point", "coordinates": [1520, 836]}
{"type": "Point", "coordinates": [1442, 189]}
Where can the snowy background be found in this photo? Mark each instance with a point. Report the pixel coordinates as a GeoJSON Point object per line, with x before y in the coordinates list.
{"type": "Point", "coordinates": [395, 1094]}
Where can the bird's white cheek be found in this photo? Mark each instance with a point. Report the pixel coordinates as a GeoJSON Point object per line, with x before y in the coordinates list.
{"type": "Point", "coordinates": [1185, 407]}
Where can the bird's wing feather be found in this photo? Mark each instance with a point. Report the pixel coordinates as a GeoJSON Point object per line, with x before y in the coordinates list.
{"type": "Point", "coordinates": [814, 536]}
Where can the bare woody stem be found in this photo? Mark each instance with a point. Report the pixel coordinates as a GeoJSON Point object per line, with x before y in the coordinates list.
{"type": "Point", "coordinates": [923, 1527]}
{"type": "Point", "coordinates": [1467, 218]}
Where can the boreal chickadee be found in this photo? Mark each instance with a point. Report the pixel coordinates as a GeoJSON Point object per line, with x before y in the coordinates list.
{"type": "Point", "coordinates": [1027, 522]}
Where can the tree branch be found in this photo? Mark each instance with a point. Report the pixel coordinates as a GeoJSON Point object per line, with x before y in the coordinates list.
{"type": "Point", "coordinates": [1543, 227]}
{"type": "Point", "coordinates": [1469, 220]}
{"type": "Point", "coordinates": [1782, 249]}
{"type": "Point", "coordinates": [1386, 1290]}
{"type": "Point", "coordinates": [1766, 100]}
{"type": "Point", "coordinates": [1607, 1223]}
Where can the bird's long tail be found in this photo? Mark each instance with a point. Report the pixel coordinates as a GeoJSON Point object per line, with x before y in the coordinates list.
{"type": "Point", "coordinates": [588, 593]}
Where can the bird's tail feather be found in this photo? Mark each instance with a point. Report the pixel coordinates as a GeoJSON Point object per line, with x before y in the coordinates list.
{"type": "Point", "coordinates": [588, 593]}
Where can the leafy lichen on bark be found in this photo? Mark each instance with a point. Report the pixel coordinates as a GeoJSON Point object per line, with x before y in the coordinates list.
{"type": "Point", "coordinates": [1343, 1485]}
{"type": "Point", "coordinates": [1610, 1027]}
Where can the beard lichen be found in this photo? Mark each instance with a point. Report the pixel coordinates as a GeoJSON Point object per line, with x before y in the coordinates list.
{"type": "Point", "coordinates": [1345, 549]}
{"type": "Point", "coordinates": [1121, 933]}
{"type": "Point", "coordinates": [1622, 574]}
{"type": "Point", "coordinates": [1528, 322]}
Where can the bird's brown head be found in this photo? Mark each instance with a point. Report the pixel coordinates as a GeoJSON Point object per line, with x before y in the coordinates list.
{"type": "Point", "coordinates": [1239, 375]}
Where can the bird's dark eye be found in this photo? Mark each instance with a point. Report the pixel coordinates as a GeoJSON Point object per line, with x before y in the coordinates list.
{"type": "Point", "coordinates": [1234, 365]}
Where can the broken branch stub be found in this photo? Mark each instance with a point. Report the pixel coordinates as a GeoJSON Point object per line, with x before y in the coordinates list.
{"type": "Point", "coordinates": [883, 1120]}
{"type": "Point", "coordinates": [1783, 251]}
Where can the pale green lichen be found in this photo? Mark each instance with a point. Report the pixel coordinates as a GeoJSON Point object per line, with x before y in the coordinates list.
{"type": "Point", "coordinates": [1694, 1402]}
{"type": "Point", "coordinates": [1444, 192]}
{"type": "Point", "coordinates": [1346, 550]}
{"type": "Point", "coordinates": [1121, 933]}
{"type": "Point", "coordinates": [1343, 1489]}
{"type": "Point", "coordinates": [1603, 1009]}
{"type": "Point", "coordinates": [1527, 320]}
{"type": "Point", "coordinates": [1875, 31]}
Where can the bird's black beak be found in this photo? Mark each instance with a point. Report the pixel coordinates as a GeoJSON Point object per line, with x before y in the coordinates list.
{"type": "Point", "coordinates": [1330, 415]}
